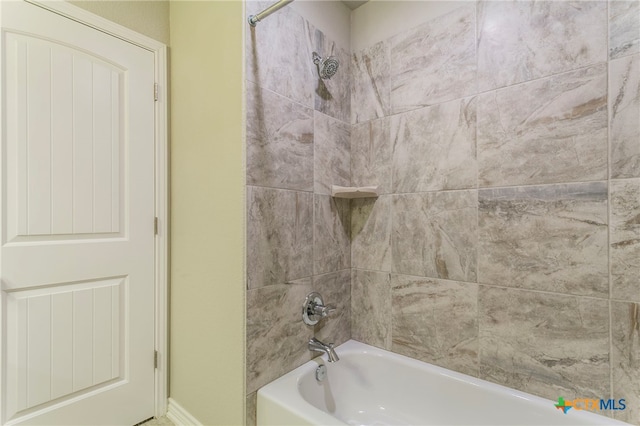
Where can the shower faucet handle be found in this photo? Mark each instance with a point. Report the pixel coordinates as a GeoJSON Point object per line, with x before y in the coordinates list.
{"type": "Point", "coordinates": [324, 311]}
{"type": "Point", "coordinates": [314, 309]}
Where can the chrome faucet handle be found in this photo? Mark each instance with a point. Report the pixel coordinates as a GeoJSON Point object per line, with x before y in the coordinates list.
{"type": "Point", "coordinates": [314, 309]}
{"type": "Point", "coordinates": [324, 311]}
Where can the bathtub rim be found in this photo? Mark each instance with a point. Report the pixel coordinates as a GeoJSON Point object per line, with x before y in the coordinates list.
{"type": "Point", "coordinates": [286, 388]}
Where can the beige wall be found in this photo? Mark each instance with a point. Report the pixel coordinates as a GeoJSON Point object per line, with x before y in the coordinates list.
{"type": "Point", "coordinates": [150, 18]}
{"type": "Point", "coordinates": [207, 198]}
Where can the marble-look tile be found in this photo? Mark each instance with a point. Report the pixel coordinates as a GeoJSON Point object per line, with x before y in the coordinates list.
{"type": "Point", "coordinates": [525, 40]}
{"type": "Point", "coordinates": [331, 245]}
{"type": "Point", "coordinates": [278, 53]}
{"type": "Point", "coordinates": [436, 321]}
{"type": "Point", "coordinates": [435, 235]}
{"type": "Point", "coordinates": [279, 236]}
{"type": "Point", "coordinates": [279, 141]}
{"type": "Point", "coordinates": [546, 344]}
{"type": "Point", "coordinates": [371, 88]}
{"type": "Point", "coordinates": [335, 289]}
{"type": "Point", "coordinates": [434, 62]}
{"type": "Point", "coordinates": [545, 131]}
{"type": "Point", "coordinates": [551, 238]}
{"type": "Point", "coordinates": [624, 28]}
{"type": "Point", "coordinates": [434, 148]}
{"type": "Point", "coordinates": [332, 148]}
{"type": "Point", "coordinates": [625, 239]}
{"type": "Point", "coordinates": [371, 308]}
{"type": "Point", "coordinates": [251, 409]}
{"type": "Point", "coordinates": [332, 96]}
{"type": "Point", "coordinates": [624, 116]}
{"type": "Point", "coordinates": [625, 358]}
{"type": "Point", "coordinates": [276, 336]}
{"type": "Point", "coordinates": [371, 155]}
{"type": "Point", "coordinates": [371, 233]}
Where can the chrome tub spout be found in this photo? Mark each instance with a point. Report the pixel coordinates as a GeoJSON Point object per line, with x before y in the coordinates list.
{"type": "Point", "coordinates": [316, 345]}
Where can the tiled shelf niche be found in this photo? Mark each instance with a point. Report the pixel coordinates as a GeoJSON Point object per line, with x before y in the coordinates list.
{"type": "Point", "coordinates": [351, 192]}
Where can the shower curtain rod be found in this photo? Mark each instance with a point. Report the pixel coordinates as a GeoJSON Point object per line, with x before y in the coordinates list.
{"type": "Point", "coordinates": [254, 19]}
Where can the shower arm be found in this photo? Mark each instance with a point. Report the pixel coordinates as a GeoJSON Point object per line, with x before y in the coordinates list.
{"type": "Point", "coordinates": [254, 19]}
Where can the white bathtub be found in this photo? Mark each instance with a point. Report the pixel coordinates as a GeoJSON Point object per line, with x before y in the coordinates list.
{"type": "Point", "coordinates": [370, 386]}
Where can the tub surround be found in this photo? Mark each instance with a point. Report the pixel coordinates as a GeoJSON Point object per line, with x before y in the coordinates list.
{"type": "Point", "coordinates": [624, 109]}
{"type": "Point", "coordinates": [277, 55]}
{"type": "Point", "coordinates": [504, 241]}
{"type": "Point", "coordinates": [545, 131]}
{"type": "Point", "coordinates": [623, 28]}
{"type": "Point", "coordinates": [279, 141]}
{"type": "Point", "coordinates": [276, 336]}
{"type": "Point", "coordinates": [332, 96]}
{"type": "Point", "coordinates": [370, 85]}
{"type": "Point", "coordinates": [331, 153]}
{"type": "Point", "coordinates": [371, 153]}
{"type": "Point", "coordinates": [371, 233]}
{"type": "Point", "coordinates": [298, 146]}
{"type": "Point", "coordinates": [421, 75]}
{"type": "Point", "coordinates": [434, 320]}
{"type": "Point", "coordinates": [624, 234]}
{"type": "Point", "coordinates": [516, 190]}
{"type": "Point", "coordinates": [545, 344]}
{"type": "Point", "coordinates": [434, 148]}
{"type": "Point", "coordinates": [625, 338]}
{"type": "Point", "coordinates": [372, 314]}
{"type": "Point", "coordinates": [434, 234]}
{"type": "Point", "coordinates": [524, 41]}
{"type": "Point", "coordinates": [279, 227]}
{"type": "Point", "coordinates": [550, 238]}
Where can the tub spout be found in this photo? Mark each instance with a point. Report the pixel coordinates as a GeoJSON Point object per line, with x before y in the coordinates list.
{"type": "Point", "coordinates": [316, 345]}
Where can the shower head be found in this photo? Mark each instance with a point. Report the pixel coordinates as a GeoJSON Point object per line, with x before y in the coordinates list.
{"type": "Point", "coordinates": [327, 67]}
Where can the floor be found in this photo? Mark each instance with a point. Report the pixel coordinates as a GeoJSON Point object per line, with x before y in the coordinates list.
{"type": "Point", "coordinates": [160, 421]}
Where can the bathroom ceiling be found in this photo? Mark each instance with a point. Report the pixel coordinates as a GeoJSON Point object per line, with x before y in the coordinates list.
{"type": "Point", "coordinates": [353, 4]}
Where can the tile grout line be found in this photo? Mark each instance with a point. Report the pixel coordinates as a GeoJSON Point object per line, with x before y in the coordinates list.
{"type": "Point", "coordinates": [469, 189]}
{"type": "Point", "coordinates": [609, 205]}
{"type": "Point", "coordinates": [491, 285]}
{"type": "Point", "coordinates": [478, 93]}
{"type": "Point", "coordinates": [293, 101]}
{"type": "Point", "coordinates": [478, 316]}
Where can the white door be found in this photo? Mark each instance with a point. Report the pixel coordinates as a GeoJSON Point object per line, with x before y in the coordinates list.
{"type": "Point", "coordinates": [77, 215]}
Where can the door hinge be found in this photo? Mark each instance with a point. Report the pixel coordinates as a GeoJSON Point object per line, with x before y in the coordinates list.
{"type": "Point", "coordinates": [155, 359]}
{"type": "Point", "coordinates": [155, 226]}
{"type": "Point", "coordinates": [155, 91]}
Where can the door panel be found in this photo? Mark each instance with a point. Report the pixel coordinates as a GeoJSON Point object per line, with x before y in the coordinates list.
{"type": "Point", "coordinates": [77, 255]}
{"type": "Point", "coordinates": [65, 98]}
{"type": "Point", "coordinates": [68, 339]}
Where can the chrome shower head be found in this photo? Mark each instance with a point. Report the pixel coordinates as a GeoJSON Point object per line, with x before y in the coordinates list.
{"type": "Point", "coordinates": [327, 67]}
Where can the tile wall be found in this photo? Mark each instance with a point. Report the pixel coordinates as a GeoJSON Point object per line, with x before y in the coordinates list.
{"type": "Point", "coordinates": [505, 137]}
{"type": "Point", "coordinates": [298, 145]}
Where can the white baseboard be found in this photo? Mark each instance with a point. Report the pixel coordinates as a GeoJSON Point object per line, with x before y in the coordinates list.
{"type": "Point", "coordinates": [179, 416]}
